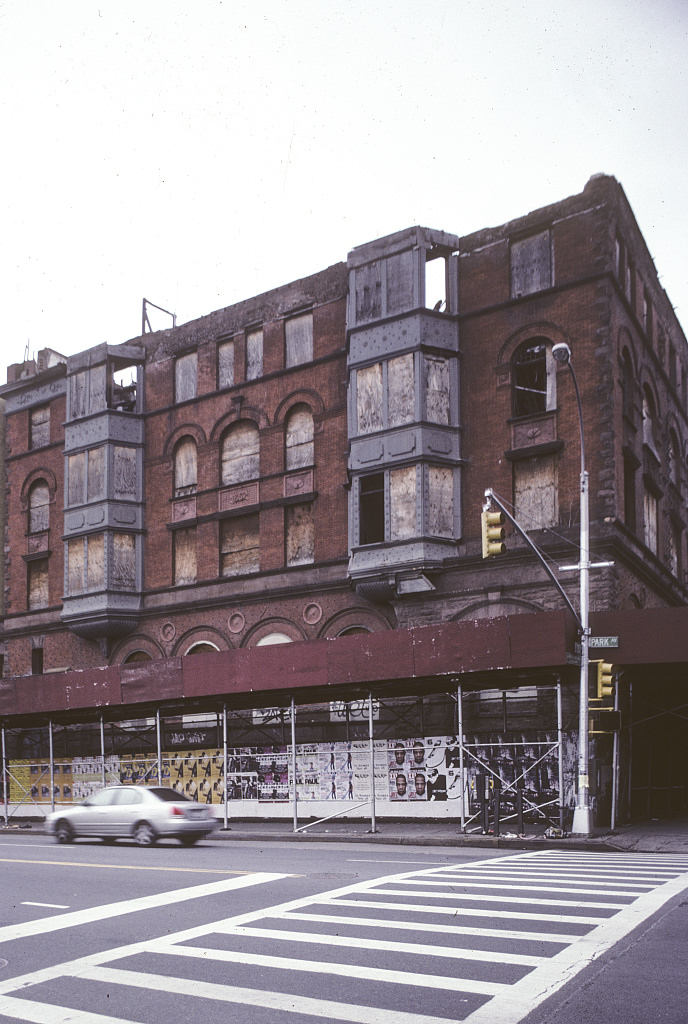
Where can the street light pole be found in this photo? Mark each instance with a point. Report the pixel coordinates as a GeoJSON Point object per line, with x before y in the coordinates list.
{"type": "Point", "coordinates": [582, 816]}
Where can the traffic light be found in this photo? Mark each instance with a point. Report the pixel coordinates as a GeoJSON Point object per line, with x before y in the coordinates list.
{"type": "Point", "coordinates": [492, 525]}
{"type": "Point", "coordinates": [605, 680]}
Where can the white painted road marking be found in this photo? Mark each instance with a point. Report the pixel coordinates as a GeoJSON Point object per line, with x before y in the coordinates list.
{"type": "Point", "coordinates": [529, 974]}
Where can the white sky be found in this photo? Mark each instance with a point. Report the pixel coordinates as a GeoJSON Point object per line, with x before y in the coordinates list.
{"type": "Point", "coordinates": [198, 153]}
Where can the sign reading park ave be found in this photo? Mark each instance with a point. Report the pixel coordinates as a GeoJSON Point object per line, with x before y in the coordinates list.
{"type": "Point", "coordinates": [603, 641]}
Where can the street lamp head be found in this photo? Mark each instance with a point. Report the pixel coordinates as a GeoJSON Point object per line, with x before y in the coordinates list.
{"type": "Point", "coordinates": [561, 352]}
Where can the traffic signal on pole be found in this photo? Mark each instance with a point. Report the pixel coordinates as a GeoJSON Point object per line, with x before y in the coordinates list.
{"type": "Point", "coordinates": [605, 680]}
{"type": "Point", "coordinates": [492, 525]}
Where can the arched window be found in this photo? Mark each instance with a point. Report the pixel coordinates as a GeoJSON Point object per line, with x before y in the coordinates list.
{"type": "Point", "coordinates": [299, 437]}
{"type": "Point", "coordinates": [185, 468]}
{"type": "Point", "coordinates": [39, 507]}
{"type": "Point", "coordinates": [650, 421]}
{"type": "Point", "coordinates": [240, 453]}
{"type": "Point", "coordinates": [533, 378]}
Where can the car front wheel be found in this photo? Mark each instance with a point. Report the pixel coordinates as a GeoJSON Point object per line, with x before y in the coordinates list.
{"type": "Point", "coordinates": [64, 833]}
{"type": "Point", "coordinates": [144, 834]}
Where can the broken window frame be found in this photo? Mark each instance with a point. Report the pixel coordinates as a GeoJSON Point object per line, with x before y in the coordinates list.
{"type": "Point", "coordinates": [533, 379]}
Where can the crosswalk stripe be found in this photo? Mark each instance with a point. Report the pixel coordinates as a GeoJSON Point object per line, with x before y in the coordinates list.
{"type": "Point", "coordinates": [387, 945]}
{"type": "Point", "coordinates": [513, 915]}
{"type": "Point", "coordinates": [475, 882]}
{"type": "Point", "coordinates": [486, 898]}
{"type": "Point", "coordinates": [444, 929]}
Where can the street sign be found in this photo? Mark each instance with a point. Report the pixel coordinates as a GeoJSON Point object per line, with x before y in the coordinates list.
{"type": "Point", "coordinates": [603, 641]}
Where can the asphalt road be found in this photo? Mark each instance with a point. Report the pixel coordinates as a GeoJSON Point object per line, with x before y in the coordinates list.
{"type": "Point", "coordinates": [278, 932]}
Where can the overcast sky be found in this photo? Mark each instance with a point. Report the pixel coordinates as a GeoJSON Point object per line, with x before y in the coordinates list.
{"type": "Point", "coordinates": [198, 153]}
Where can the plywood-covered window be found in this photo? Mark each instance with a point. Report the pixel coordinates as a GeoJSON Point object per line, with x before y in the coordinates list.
{"type": "Point", "coordinates": [298, 336]}
{"type": "Point", "coordinates": [299, 437]}
{"type": "Point", "coordinates": [123, 561]}
{"type": "Point", "coordinates": [185, 562]}
{"type": "Point", "coordinates": [39, 507]}
{"type": "Point", "coordinates": [531, 264]}
{"type": "Point", "coordinates": [225, 364]}
{"type": "Point", "coordinates": [39, 426]}
{"type": "Point", "coordinates": [440, 514]}
{"type": "Point", "coordinates": [401, 390]}
{"type": "Point", "coordinates": [37, 583]}
{"type": "Point", "coordinates": [124, 472]}
{"type": "Point", "coordinates": [88, 392]}
{"type": "Point", "coordinates": [185, 377]}
{"type": "Point", "coordinates": [536, 502]}
{"type": "Point", "coordinates": [85, 564]}
{"type": "Point", "coordinates": [86, 476]}
{"type": "Point", "coordinates": [437, 390]}
{"type": "Point", "coordinates": [240, 453]}
{"type": "Point", "coordinates": [650, 535]}
{"type": "Point", "coordinates": [185, 467]}
{"type": "Point", "coordinates": [368, 292]}
{"type": "Point", "coordinates": [402, 503]}
{"type": "Point", "coordinates": [399, 282]}
{"type": "Point", "coordinates": [369, 399]}
{"type": "Point", "coordinates": [240, 545]}
{"type": "Point", "coordinates": [300, 534]}
{"type": "Point", "coordinates": [254, 353]}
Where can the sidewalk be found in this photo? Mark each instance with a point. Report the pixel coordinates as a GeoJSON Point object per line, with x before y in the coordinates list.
{"type": "Point", "coordinates": [660, 836]}
{"type": "Point", "coordinates": [670, 836]}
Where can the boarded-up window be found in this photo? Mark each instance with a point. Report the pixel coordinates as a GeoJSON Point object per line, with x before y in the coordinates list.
{"type": "Point", "coordinates": [185, 567]}
{"type": "Point", "coordinates": [39, 507]}
{"type": "Point", "coordinates": [402, 503]}
{"type": "Point", "coordinates": [124, 472]}
{"type": "Point", "coordinates": [369, 398]}
{"type": "Point", "coordinates": [240, 453]}
{"type": "Point", "coordinates": [298, 335]}
{"type": "Point", "coordinates": [76, 478]}
{"type": "Point", "coordinates": [300, 535]}
{"type": "Point", "coordinates": [535, 492]}
{"type": "Point", "coordinates": [123, 561]}
{"type": "Point", "coordinates": [86, 476]}
{"type": "Point", "coordinates": [78, 395]}
{"type": "Point", "coordinates": [95, 474]}
{"type": "Point", "coordinates": [368, 293]}
{"type": "Point", "coordinates": [401, 390]}
{"type": "Point", "coordinates": [399, 273]}
{"type": "Point", "coordinates": [39, 426]}
{"type": "Point", "coordinates": [441, 501]}
{"type": "Point", "coordinates": [299, 437]}
{"type": "Point", "coordinates": [225, 364]}
{"type": "Point", "coordinates": [650, 520]}
{"type": "Point", "coordinates": [437, 390]}
{"type": "Point", "coordinates": [185, 475]}
{"type": "Point", "coordinates": [85, 564]}
{"type": "Point", "coordinates": [239, 546]}
{"type": "Point", "coordinates": [37, 572]}
{"type": "Point", "coordinates": [254, 354]}
{"type": "Point", "coordinates": [98, 393]}
{"type": "Point", "coordinates": [185, 376]}
{"type": "Point", "coordinates": [95, 562]}
{"type": "Point", "coordinates": [531, 264]}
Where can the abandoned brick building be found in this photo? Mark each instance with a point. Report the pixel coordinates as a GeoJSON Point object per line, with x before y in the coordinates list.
{"type": "Point", "coordinates": [290, 490]}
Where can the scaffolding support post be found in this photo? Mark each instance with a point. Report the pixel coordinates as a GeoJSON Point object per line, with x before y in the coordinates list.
{"type": "Point", "coordinates": [52, 765]}
{"type": "Point", "coordinates": [224, 754]}
{"type": "Point", "coordinates": [560, 743]}
{"type": "Point", "coordinates": [5, 785]}
{"type": "Point", "coordinates": [293, 764]}
{"type": "Point", "coordinates": [462, 769]}
{"type": "Point", "coordinates": [373, 825]}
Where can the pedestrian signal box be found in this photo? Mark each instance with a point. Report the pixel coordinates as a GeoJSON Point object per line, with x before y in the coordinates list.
{"type": "Point", "coordinates": [492, 524]}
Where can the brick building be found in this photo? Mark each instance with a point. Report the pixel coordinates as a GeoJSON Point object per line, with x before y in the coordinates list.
{"type": "Point", "coordinates": [309, 466]}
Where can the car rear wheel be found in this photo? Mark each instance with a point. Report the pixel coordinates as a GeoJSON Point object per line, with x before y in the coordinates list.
{"type": "Point", "coordinates": [144, 834]}
{"type": "Point", "coordinates": [64, 833]}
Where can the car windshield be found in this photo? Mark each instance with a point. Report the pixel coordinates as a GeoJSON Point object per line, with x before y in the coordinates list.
{"type": "Point", "coordinates": [171, 795]}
